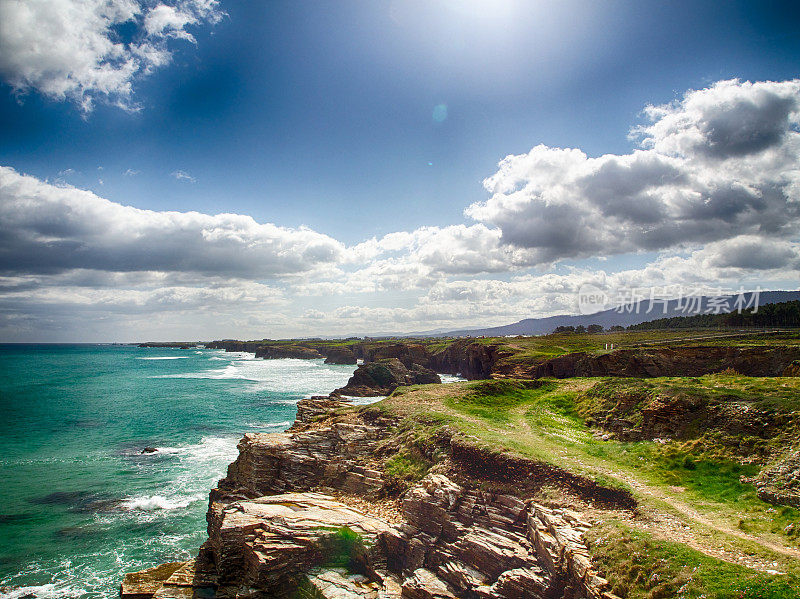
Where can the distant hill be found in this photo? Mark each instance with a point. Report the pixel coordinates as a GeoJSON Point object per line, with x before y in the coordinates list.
{"type": "Point", "coordinates": [635, 314]}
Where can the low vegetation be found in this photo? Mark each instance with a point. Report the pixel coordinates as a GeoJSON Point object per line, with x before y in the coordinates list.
{"type": "Point", "coordinates": [638, 566]}
{"type": "Point", "coordinates": [690, 475]}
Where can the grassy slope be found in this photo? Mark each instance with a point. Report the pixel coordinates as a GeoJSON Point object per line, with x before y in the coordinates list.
{"type": "Point", "coordinates": [695, 482]}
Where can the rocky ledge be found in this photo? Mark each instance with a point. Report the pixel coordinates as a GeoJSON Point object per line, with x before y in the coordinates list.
{"type": "Point", "coordinates": [312, 513]}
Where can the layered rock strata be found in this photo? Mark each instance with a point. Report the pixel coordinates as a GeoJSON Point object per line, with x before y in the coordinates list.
{"type": "Point", "coordinates": [276, 530]}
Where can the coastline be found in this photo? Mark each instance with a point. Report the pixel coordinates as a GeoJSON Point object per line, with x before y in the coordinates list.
{"type": "Point", "coordinates": [326, 467]}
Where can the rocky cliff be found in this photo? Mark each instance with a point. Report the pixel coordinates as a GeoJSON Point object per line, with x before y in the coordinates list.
{"type": "Point", "coordinates": [313, 513]}
{"type": "Point", "coordinates": [666, 361]}
{"type": "Point", "coordinates": [481, 359]}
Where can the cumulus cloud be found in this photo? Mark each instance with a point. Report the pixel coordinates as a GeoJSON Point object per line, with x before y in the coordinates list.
{"type": "Point", "coordinates": [719, 163]}
{"type": "Point", "coordinates": [49, 229]}
{"type": "Point", "coordinates": [712, 194]}
{"type": "Point", "coordinates": [72, 49]}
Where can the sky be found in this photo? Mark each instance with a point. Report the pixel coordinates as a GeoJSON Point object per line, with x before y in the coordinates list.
{"type": "Point", "coordinates": [195, 169]}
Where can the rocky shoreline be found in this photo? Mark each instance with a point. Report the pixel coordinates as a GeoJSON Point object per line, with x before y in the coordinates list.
{"type": "Point", "coordinates": [311, 513]}
{"type": "Point", "coordinates": [475, 360]}
{"type": "Point", "coordinates": [319, 512]}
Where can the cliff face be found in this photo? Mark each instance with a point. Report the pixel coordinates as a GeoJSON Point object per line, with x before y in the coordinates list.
{"type": "Point", "coordinates": [231, 345]}
{"type": "Point", "coordinates": [311, 512]}
{"type": "Point", "coordinates": [665, 361]}
{"type": "Point", "coordinates": [467, 358]}
{"type": "Point", "coordinates": [277, 352]}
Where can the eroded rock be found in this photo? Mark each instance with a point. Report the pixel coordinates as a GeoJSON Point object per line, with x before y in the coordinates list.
{"type": "Point", "coordinates": [270, 543]}
{"type": "Point", "coordinates": [384, 376]}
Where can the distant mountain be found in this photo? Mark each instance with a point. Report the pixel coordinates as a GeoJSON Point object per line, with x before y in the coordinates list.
{"type": "Point", "coordinates": [631, 314]}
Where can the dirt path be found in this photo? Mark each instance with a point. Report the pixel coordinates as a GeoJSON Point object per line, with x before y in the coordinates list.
{"type": "Point", "coordinates": [689, 512]}
{"type": "Point", "coordinates": [673, 528]}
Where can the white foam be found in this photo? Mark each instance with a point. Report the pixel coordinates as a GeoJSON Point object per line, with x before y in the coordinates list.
{"type": "Point", "coordinates": [284, 424]}
{"type": "Point", "coordinates": [164, 358]}
{"type": "Point", "coordinates": [451, 378]}
{"type": "Point", "coordinates": [43, 591]}
{"type": "Point", "coordinates": [289, 375]}
{"type": "Point", "coordinates": [157, 502]}
{"type": "Point", "coordinates": [363, 401]}
{"type": "Point", "coordinates": [195, 468]}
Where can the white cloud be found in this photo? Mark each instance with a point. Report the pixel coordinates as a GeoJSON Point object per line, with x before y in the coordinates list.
{"type": "Point", "coordinates": [70, 49]}
{"type": "Point", "coordinates": [719, 163]}
{"type": "Point", "coordinates": [713, 195]}
{"type": "Point", "coordinates": [48, 229]}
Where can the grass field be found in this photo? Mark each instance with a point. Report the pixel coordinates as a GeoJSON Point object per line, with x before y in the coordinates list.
{"type": "Point", "coordinates": [730, 543]}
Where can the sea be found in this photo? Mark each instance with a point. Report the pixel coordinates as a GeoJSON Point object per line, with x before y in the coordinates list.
{"type": "Point", "coordinates": [80, 504]}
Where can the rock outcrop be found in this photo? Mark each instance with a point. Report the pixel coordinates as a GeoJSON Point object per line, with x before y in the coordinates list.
{"type": "Point", "coordinates": [454, 543]}
{"type": "Point", "coordinates": [339, 355]}
{"type": "Point", "coordinates": [374, 379]}
{"type": "Point", "coordinates": [280, 543]}
{"type": "Point", "coordinates": [176, 580]}
{"type": "Point", "coordinates": [315, 407]}
{"type": "Point", "coordinates": [329, 457]}
{"type": "Point", "coordinates": [779, 483]}
{"type": "Point", "coordinates": [280, 524]}
{"type": "Point", "coordinates": [470, 359]}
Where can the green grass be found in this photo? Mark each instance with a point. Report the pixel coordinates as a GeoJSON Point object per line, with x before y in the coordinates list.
{"type": "Point", "coordinates": [640, 567]}
{"type": "Point", "coordinates": [343, 549]}
{"type": "Point", "coordinates": [544, 420]}
{"type": "Point", "coordinates": [409, 465]}
{"type": "Point", "coordinates": [493, 400]}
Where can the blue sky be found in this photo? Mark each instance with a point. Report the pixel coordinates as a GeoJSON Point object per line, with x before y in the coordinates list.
{"type": "Point", "coordinates": [354, 120]}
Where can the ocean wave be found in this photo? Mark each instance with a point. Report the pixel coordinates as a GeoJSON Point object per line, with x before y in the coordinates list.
{"type": "Point", "coordinates": [209, 448]}
{"type": "Point", "coordinates": [451, 378]}
{"type": "Point", "coordinates": [43, 591]}
{"type": "Point", "coordinates": [150, 503]}
{"type": "Point", "coordinates": [164, 358]}
{"type": "Point", "coordinates": [284, 424]}
{"type": "Point", "coordinates": [289, 375]}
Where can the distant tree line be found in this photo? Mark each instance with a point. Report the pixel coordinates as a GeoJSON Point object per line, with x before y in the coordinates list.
{"type": "Point", "coordinates": [784, 314]}
{"type": "Point", "coordinates": [591, 329]}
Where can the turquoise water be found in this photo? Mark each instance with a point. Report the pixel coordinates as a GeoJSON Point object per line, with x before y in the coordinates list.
{"type": "Point", "coordinates": [79, 503]}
